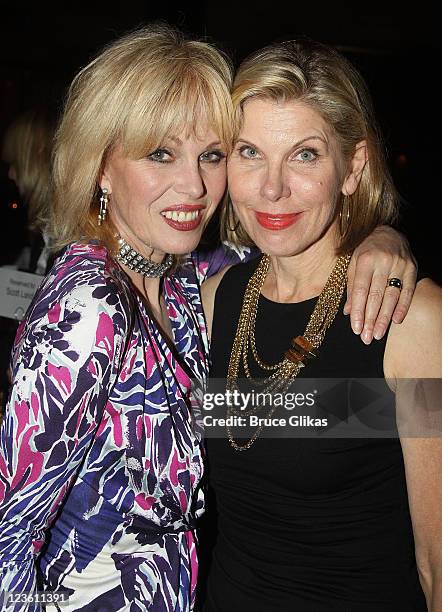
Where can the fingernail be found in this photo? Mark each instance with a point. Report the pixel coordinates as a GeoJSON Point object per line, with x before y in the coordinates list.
{"type": "Point", "coordinates": [378, 333]}
{"type": "Point", "coordinates": [366, 337]}
{"type": "Point", "coordinates": [357, 327]}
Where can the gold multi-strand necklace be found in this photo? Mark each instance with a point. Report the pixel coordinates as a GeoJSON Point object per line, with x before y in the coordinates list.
{"type": "Point", "coordinates": [302, 347]}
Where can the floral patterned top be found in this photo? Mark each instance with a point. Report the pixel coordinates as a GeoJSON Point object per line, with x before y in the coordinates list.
{"type": "Point", "coordinates": [100, 461]}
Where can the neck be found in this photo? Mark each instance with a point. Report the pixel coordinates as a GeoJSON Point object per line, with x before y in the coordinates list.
{"type": "Point", "coordinates": [302, 276]}
{"type": "Point", "coordinates": [135, 243]}
{"type": "Point", "coordinates": [149, 288]}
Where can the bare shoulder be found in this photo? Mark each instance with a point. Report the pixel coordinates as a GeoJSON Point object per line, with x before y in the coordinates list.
{"type": "Point", "coordinates": [208, 292]}
{"type": "Point", "coordinates": [414, 347]}
{"type": "Point", "coordinates": [425, 314]}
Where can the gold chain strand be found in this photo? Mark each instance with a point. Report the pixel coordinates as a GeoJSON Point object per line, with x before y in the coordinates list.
{"type": "Point", "coordinates": [302, 347]}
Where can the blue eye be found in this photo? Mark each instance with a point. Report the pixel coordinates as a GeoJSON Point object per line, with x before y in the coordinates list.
{"type": "Point", "coordinates": [307, 155]}
{"type": "Point", "coordinates": [212, 157]}
{"type": "Point", "coordinates": [248, 152]}
{"type": "Point", "coordinates": [160, 155]}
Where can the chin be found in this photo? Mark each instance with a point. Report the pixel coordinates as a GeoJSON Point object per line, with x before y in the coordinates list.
{"type": "Point", "coordinates": [181, 247]}
{"type": "Point", "coordinates": [282, 252]}
{"type": "Point", "coordinates": [279, 246]}
{"type": "Point", "coordinates": [291, 243]}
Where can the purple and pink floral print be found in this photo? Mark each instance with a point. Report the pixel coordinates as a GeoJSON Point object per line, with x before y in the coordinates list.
{"type": "Point", "coordinates": [100, 462]}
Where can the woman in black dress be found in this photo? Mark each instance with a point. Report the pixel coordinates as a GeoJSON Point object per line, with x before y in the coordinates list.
{"type": "Point", "coordinates": [318, 522]}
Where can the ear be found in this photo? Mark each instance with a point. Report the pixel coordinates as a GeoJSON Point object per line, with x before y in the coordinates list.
{"type": "Point", "coordinates": [355, 169]}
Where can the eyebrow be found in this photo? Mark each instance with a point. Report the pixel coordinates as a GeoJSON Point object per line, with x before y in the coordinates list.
{"type": "Point", "coordinates": [297, 144]}
{"type": "Point", "coordinates": [216, 143]}
{"type": "Point", "coordinates": [179, 142]}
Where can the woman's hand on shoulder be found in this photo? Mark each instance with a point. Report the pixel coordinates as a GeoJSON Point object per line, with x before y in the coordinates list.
{"type": "Point", "coordinates": [372, 305]}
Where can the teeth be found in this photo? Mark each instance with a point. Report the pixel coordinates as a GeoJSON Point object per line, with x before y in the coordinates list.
{"type": "Point", "coordinates": [181, 216]}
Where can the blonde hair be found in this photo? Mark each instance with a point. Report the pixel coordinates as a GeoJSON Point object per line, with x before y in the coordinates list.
{"type": "Point", "coordinates": [143, 88]}
{"type": "Point", "coordinates": [320, 77]}
{"type": "Point", "coordinates": [27, 147]}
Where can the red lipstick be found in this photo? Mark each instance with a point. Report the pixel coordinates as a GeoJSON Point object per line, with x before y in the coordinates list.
{"type": "Point", "coordinates": [184, 207]}
{"type": "Point", "coordinates": [276, 221]}
{"type": "Point", "coordinates": [181, 214]}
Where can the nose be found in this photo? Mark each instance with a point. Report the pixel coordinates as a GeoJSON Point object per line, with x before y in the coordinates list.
{"type": "Point", "coordinates": [189, 181]}
{"type": "Point", "coordinates": [275, 185]}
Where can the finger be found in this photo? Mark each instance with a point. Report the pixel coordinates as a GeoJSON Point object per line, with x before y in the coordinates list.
{"type": "Point", "coordinates": [347, 305]}
{"type": "Point", "coordinates": [372, 307]}
{"type": "Point", "coordinates": [350, 278]}
{"type": "Point", "coordinates": [359, 294]}
{"type": "Point", "coordinates": [391, 297]}
{"type": "Point", "coordinates": [406, 295]}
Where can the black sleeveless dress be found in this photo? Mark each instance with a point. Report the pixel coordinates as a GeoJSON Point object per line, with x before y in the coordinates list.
{"type": "Point", "coordinates": [307, 524]}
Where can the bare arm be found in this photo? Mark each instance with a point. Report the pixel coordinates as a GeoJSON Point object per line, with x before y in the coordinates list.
{"type": "Point", "coordinates": [413, 360]}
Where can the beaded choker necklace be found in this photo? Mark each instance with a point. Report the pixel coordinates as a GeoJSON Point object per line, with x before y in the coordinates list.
{"type": "Point", "coordinates": [143, 265]}
{"type": "Point", "coordinates": [302, 348]}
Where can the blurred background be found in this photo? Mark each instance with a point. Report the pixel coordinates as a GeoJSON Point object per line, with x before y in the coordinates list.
{"type": "Point", "coordinates": [398, 53]}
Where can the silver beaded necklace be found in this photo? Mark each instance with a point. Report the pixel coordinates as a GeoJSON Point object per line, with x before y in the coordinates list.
{"type": "Point", "coordinates": [143, 265]}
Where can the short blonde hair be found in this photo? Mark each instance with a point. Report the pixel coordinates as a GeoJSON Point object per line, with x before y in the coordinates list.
{"type": "Point", "coordinates": [317, 75]}
{"type": "Point", "coordinates": [143, 88]}
{"type": "Point", "coordinates": [27, 147]}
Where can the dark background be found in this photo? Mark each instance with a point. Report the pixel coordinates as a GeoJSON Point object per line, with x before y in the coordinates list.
{"type": "Point", "coordinates": [398, 53]}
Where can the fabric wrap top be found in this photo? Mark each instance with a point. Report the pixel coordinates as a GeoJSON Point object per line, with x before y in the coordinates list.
{"type": "Point", "coordinates": [100, 461]}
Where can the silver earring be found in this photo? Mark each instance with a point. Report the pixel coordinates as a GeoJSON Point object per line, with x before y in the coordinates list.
{"type": "Point", "coordinates": [104, 199]}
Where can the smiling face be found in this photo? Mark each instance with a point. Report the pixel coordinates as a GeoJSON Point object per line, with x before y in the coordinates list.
{"type": "Point", "coordinates": [164, 200]}
{"type": "Point", "coordinates": [286, 174]}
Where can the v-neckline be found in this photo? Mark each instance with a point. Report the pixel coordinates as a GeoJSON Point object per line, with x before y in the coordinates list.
{"type": "Point", "coordinates": [167, 345]}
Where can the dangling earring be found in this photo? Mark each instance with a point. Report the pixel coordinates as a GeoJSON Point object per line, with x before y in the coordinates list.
{"type": "Point", "coordinates": [231, 215]}
{"type": "Point", "coordinates": [104, 199]}
{"type": "Point", "coordinates": [344, 216]}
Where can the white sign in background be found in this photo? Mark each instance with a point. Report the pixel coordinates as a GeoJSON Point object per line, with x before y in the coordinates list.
{"type": "Point", "coordinates": [16, 292]}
